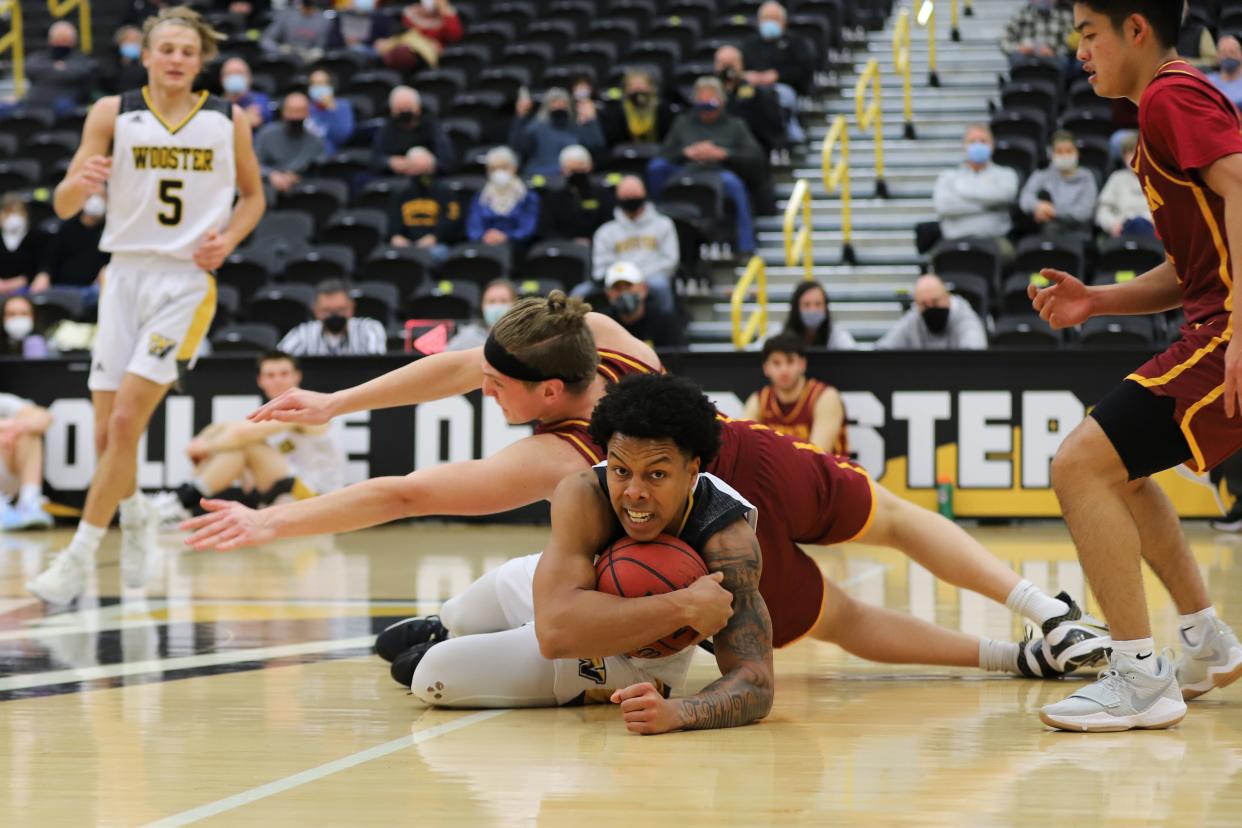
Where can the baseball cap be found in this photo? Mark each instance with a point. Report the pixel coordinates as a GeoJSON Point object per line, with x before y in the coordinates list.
{"type": "Point", "coordinates": [623, 272]}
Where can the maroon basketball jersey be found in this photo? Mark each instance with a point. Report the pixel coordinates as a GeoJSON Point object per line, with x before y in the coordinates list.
{"type": "Point", "coordinates": [796, 419]}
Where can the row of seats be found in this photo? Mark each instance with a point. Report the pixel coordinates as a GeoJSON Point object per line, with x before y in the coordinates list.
{"type": "Point", "coordinates": [1027, 331]}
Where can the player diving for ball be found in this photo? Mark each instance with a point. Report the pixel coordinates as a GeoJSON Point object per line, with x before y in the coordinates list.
{"type": "Point", "coordinates": [548, 360]}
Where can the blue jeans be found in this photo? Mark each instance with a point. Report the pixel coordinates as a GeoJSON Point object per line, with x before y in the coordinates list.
{"type": "Point", "coordinates": [789, 108]}
{"type": "Point", "coordinates": [660, 170]}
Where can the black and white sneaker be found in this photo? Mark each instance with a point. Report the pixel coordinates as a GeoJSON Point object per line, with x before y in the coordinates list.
{"type": "Point", "coordinates": [404, 665]}
{"type": "Point", "coordinates": [401, 636]}
{"type": "Point", "coordinates": [1231, 522]}
{"type": "Point", "coordinates": [1073, 641]}
{"type": "Point", "coordinates": [1033, 661]}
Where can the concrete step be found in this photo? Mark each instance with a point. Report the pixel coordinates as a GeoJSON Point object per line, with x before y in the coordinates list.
{"type": "Point", "coordinates": [722, 331]}
{"type": "Point", "coordinates": [871, 312]}
{"type": "Point", "coordinates": [930, 124]}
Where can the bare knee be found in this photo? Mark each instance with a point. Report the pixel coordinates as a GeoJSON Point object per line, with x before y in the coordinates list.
{"type": "Point", "coordinates": [125, 427]}
{"type": "Point", "coordinates": [1087, 455]}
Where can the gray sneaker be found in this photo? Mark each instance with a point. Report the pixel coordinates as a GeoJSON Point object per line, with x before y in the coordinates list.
{"type": "Point", "coordinates": [1124, 697]}
{"type": "Point", "coordinates": [1215, 662]}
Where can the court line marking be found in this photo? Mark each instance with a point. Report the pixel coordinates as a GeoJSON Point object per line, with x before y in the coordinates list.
{"type": "Point", "coordinates": [167, 665]}
{"type": "Point", "coordinates": [314, 774]}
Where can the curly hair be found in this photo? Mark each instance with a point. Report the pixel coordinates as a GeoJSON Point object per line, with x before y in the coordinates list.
{"type": "Point", "coordinates": [659, 407]}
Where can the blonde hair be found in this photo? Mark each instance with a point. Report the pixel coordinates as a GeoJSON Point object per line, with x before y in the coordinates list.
{"type": "Point", "coordinates": [550, 334]}
{"type": "Point", "coordinates": [190, 19]}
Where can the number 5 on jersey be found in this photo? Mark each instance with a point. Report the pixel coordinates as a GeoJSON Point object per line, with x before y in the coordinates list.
{"type": "Point", "coordinates": [170, 194]}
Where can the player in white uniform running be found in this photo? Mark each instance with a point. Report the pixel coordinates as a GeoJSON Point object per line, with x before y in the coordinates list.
{"type": "Point", "coordinates": [172, 160]}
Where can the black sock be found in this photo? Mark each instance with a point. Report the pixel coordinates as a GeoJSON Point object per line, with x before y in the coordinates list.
{"type": "Point", "coordinates": [283, 486]}
{"type": "Point", "coordinates": [190, 498]}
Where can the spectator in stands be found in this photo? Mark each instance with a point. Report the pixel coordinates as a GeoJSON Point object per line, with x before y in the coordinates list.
{"type": "Point", "coordinates": [1123, 208]}
{"type": "Point", "coordinates": [126, 71]}
{"type": "Point", "coordinates": [561, 122]}
{"type": "Point", "coordinates": [23, 249]}
{"type": "Point", "coordinates": [974, 199]}
{"type": "Point", "coordinates": [331, 118]}
{"type": "Point", "coordinates": [637, 115]}
{"type": "Point", "coordinates": [1229, 78]}
{"type": "Point", "coordinates": [810, 319]}
{"type": "Point", "coordinates": [19, 335]}
{"type": "Point", "coordinates": [1061, 197]}
{"type": "Point", "coordinates": [641, 235]}
{"type": "Point", "coordinates": [74, 259]}
{"type": "Point", "coordinates": [498, 296]}
{"type": "Point", "coordinates": [709, 138]}
{"type": "Point", "coordinates": [504, 212]}
{"type": "Point", "coordinates": [1040, 29]}
{"type": "Point", "coordinates": [61, 75]}
{"type": "Point", "coordinates": [582, 88]}
{"type": "Point", "coordinates": [359, 26]}
{"type": "Point", "coordinates": [430, 25]}
{"type": "Point", "coordinates": [576, 210]}
{"type": "Point", "coordinates": [287, 149]}
{"type": "Point", "coordinates": [426, 213]}
{"type": "Point", "coordinates": [304, 30]}
{"type": "Point", "coordinates": [938, 321]}
{"type": "Point", "coordinates": [235, 81]}
{"type": "Point", "coordinates": [627, 303]}
{"type": "Point", "coordinates": [408, 127]}
{"type": "Point", "coordinates": [782, 60]}
{"type": "Point", "coordinates": [757, 106]}
{"type": "Point", "coordinates": [335, 331]}
{"type": "Point", "coordinates": [22, 426]}
{"type": "Point", "coordinates": [795, 405]}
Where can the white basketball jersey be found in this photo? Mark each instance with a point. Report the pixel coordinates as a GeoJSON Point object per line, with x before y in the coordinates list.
{"type": "Point", "coordinates": [313, 454]}
{"type": "Point", "coordinates": [170, 183]}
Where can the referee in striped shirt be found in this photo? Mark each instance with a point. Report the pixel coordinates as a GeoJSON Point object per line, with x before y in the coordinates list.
{"type": "Point", "coordinates": [335, 331]}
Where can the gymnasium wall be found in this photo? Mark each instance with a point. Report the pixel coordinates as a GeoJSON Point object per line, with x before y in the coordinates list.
{"type": "Point", "coordinates": [988, 421]}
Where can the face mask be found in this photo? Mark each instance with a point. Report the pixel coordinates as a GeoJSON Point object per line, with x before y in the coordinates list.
{"type": "Point", "coordinates": [492, 313]}
{"type": "Point", "coordinates": [1230, 65]}
{"type": "Point", "coordinates": [978, 152]}
{"type": "Point", "coordinates": [364, 6]}
{"type": "Point", "coordinates": [131, 51]}
{"type": "Point", "coordinates": [95, 206]}
{"type": "Point", "coordinates": [727, 75]}
{"type": "Point", "coordinates": [235, 84]}
{"type": "Point", "coordinates": [640, 99]}
{"type": "Point", "coordinates": [295, 126]}
{"type": "Point", "coordinates": [630, 206]}
{"type": "Point", "coordinates": [14, 225]}
{"type": "Point", "coordinates": [770, 29]}
{"type": "Point", "coordinates": [936, 319]}
{"type": "Point", "coordinates": [627, 303]}
{"type": "Point", "coordinates": [429, 6]}
{"type": "Point", "coordinates": [320, 92]}
{"type": "Point", "coordinates": [501, 178]}
{"type": "Point", "coordinates": [579, 180]}
{"type": "Point", "coordinates": [1065, 163]}
{"type": "Point", "coordinates": [335, 323]}
{"type": "Point", "coordinates": [582, 93]}
{"type": "Point", "coordinates": [61, 52]}
{"type": "Point", "coordinates": [18, 327]}
{"type": "Point", "coordinates": [812, 319]}
{"type": "Point", "coordinates": [707, 106]}
{"type": "Point", "coordinates": [406, 118]}
{"type": "Point", "coordinates": [559, 118]}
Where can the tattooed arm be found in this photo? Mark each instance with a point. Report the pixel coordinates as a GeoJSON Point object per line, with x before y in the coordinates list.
{"type": "Point", "coordinates": [743, 693]}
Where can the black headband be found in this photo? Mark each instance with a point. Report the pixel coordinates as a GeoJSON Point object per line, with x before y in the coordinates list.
{"type": "Point", "coordinates": [509, 365]}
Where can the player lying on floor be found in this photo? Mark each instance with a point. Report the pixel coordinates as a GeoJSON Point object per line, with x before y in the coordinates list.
{"type": "Point", "coordinates": [549, 360]}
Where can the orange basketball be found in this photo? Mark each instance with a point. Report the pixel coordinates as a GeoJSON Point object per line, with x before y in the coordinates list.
{"type": "Point", "coordinates": [633, 569]}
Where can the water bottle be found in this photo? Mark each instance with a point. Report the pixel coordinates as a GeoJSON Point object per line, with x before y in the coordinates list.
{"type": "Point", "coordinates": [944, 497]}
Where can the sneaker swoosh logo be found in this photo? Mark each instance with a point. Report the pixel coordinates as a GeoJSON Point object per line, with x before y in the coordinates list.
{"type": "Point", "coordinates": [1144, 702]}
{"type": "Point", "coordinates": [1141, 657]}
{"type": "Point", "coordinates": [1185, 629]}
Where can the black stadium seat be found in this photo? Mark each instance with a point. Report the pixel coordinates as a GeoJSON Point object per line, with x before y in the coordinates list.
{"type": "Point", "coordinates": [248, 268]}
{"type": "Point", "coordinates": [376, 300]}
{"type": "Point", "coordinates": [445, 299]}
{"type": "Point", "coordinates": [282, 306]}
{"type": "Point", "coordinates": [405, 268]}
{"type": "Point", "coordinates": [246, 337]}
{"type": "Point", "coordinates": [360, 229]}
{"type": "Point", "coordinates": [322, 261]}
{"type": "Point", "coordinates": [1024, 330]}
{"type": "Point", "coordinates": [565, 262]}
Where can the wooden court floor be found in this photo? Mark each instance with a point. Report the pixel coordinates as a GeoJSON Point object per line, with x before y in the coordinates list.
{"type": "Point", "coordinates": [239, 690]}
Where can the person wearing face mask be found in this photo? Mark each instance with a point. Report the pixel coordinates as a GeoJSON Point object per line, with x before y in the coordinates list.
{"type": "Point", "coordinates": [331, 118]}
{"type": "Point", "coordinates": [504, 211]}
{"type": "Point", "coordinates": [359, 25]}
{"type": "Point", "coordinates": [635, 113]}
{"type": "Point", "coordinates": [757, 106]}
{"type": "Point", "coordinates": [641, 235]}
{"type": "Point", "coordinates": [407, 127]}
{"type": "Point", "coordinates": [127, 71]}
{"type": "Point", "coordinates": [426, 213]}
{"type": "Point", "coordinates": [61, 75]}
{"type": "Point", "coordinates": [335, 331]}
{"type": "Point", "coordinates": [22, 426]}
{"type": "Point", "coordinates": [287, 148]}
{"type": "Point", "coordinates": [429, 26]}
{"type": "Point", "coordinates": [1039, 29]}
{"type": "Point", "coordinates": [974, 199]}
{"type": "Point", "coordinates": [19, 336]}
{"type": "Point", "coordinates": [235, 83]}
{"type": "Point", "coordinates": [628, 304]}
{"type": "Point", "coordinates": [1061, 197]}
{"type": "Point", "coordinates": [1229, 78]}
{"type": "Point", "coordinates": [23, 249]}
{"type": "Point", "coordinates": [781, 60]}
{"type": "Point", "coordinates": [74, 258]}
{"type": "Point", "coordinates": [810, 320]}
{"type": "Point", "coordinates": [304, 30]}
{"type": "Point", "coordinates": [580, 207]}
{"type": "Point", "coordinates": [1123, 209]}
{"type": "Point", "coordinates": [939, 321]}
{"type": "Point", "coordinates": [498, 296]}
{"type": "Point", "coordinates": [561, 122]}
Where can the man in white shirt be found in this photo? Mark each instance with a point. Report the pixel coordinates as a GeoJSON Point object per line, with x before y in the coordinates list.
{"type": "Point", "coordinates": [975, 198]}
{"type": "Point", "coordinates": [335, 331]}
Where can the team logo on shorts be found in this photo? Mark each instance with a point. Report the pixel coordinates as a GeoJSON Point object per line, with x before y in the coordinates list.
{"type": "Point", "coordinates": [160, 346]}
{"type": "Point", "coordinates": [593, 669]}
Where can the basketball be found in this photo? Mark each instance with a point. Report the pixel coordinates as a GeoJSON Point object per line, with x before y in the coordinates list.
{"type": "Point", "coordinates": [634, 569]}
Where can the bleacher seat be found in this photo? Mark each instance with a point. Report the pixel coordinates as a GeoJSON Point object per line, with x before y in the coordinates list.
{"type": "Point", "coordinates": [1014, 295]}
{"type": "Point", "coordinates": [1119, 332]}
{"type": "Point", "coordinates": [554, 32]}
{"type": "Point", "coordinates": [1059, 253]}
{"type": "Point", "coordinates": [1023, 125]}
{"type": "Point", "coordinates": [27, 122]}
{"type": "Point", "coordinates": [19, 174]}
{"type": "Point", "coordinates": [1019, 154]}
{"type": "Point", "coordinates": [504, 80]}
{"type": "Point", "coordinates": [50, 147]}
{"type": "Point", "coordinates": [562, 261]}
{"type": "Point", "coordinates": [283, 306]}
{"type": "Point", "coordinates": [1030, 96]}
{"type": "Point", "coordinates": [375, 85]}
{"type": "Point", "coordinates": [55, 305]}
{"type": "Point", "coordinates": [288, 224]}
{"type": "Point", "coordinates": [361, 229]}
{"type": "Point", "coordinates": [248, 268]}
{"type": "Point", "coordinates": [977, 257]}
{"type": "Point", "coordinates": [1037, 70]}
{"type": "Point", "coordinates": [620, 33]}
{"type": "Point", "coordinates": [1024, 331]}
{"type": "Point", "coordinates": [322, 261]}
{"type": "Point", "coordinates": [228, 304]}
{"type": "Point", "coordinates": [245, 336]}
{"type": "Point", "coordinates": [376, 300]}
{"type": "Point", "coordinates": [598, 53]}
{"type": "Point", "coordinates": [972, 287]}
{"type": "Point", "coordinates": [349, 166]}
{"type": "Point", "coordinates": [405, 268]}
{"type": "Point", "coordinates": [1093, 154]}
{"type": "Point", "coordinates": [537, 287]}
{"type": "Point", "coordinates": [467, 58]}
{"type": "Point", "coordinates": [1134, 253]}
{"type": "Point", "coordinates": [318, 197]}
{"type": "Point", "coordinates": [477, 262]}
{"type": "Point", "coordinates": [441, 84]}
{"type": "Point", "coordinates": [1087, 122]}
{"type": "Point", "coordinates": [489, 109]}
{"type": "Point", "coordinates": [445, 299]}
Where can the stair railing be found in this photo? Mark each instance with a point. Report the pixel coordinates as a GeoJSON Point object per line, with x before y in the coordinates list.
{"type": "Point", "coordinates": [61, 8]}
{"type": "Point", "coordinates": [837, 177]}
{"type": "Point", "coordinates": [901, 65]}
{"type": "Point", "coordinates": [954, 31]}
{"type": "Point", "coordinates": [925, 16]}
{"type": "Point", "coordinates": [870, 117]}
{"type": "Point", "coordinates": [798, 244]}
{"type": "Point", "coordinates": [746, 332]}
{"type": "Point", "coordinates": [14, 43]}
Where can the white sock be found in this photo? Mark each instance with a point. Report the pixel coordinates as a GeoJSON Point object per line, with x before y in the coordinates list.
{"type": "Point", "coordinates": [86, 540]}
{"type": "Point", "coordinates": [1142, 650]}
{"type": "Point", "coordinates": [999, 656]}
{"type": "Point", "coordinates": [1194, 625]}
{"type": "Point", "coordinates": [30, 496]}
{"type": "Point", "coordinates": [131, 506]}
{"type": "Point", "coordinates": [1033, 603]}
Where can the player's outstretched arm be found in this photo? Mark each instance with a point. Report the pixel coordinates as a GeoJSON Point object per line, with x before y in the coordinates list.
{"type": "Point", "coordinates": [744, 692]}
{"type": "Point", "coordinates": [828, 420]}
{"type": "Point", "coordinates": [521, 474]}
{"type": "Point", "coordinates": [88, 171]}
{"type": "Point", "coordinates": [1066, 301]}
{"type": "Point", "coordinates": [573, 619]}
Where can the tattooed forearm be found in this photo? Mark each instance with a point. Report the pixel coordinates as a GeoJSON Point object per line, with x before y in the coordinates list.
{"type": "Point", "coordinates": [741, 697]}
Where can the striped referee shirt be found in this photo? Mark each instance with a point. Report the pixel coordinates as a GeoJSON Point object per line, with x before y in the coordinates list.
{"type": "Point", "coordinates": [361, 336]}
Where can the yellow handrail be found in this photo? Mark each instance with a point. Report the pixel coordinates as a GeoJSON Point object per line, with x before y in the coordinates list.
{"type": "Point", "coordinates": [14, 42]}
{"type": "Point", "coordinates": [925, 15]}
{"type": "Point", "coordinates": [837, 177]}
{"type": "Point", "coordinates": [871, 117]}
{"type": "Point", "coordinates": [901, 65]}
{"type": "Point", "coordinates": [60, 8]}
{"type": "Point", "coordinates": [743, 334]}
{"type": "Point", "coordinates": [798, 246]}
